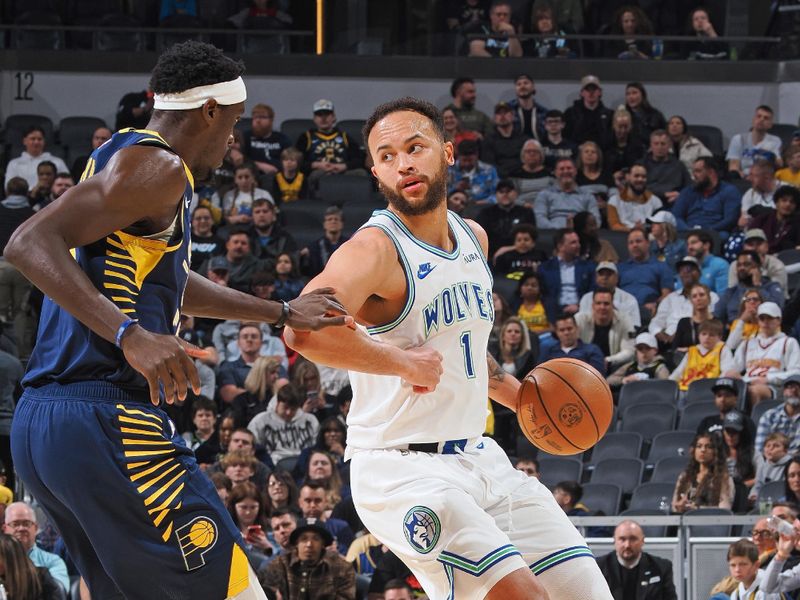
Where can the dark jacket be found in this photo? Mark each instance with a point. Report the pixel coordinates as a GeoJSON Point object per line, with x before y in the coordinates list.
{"type": "Point", "coordinates": [498, 223]}
{"type": "Point", "coordinates": [332, 578]}
{"type": "Point", "coordinates": [655, 577]}
{"type": "Point", "coordinates": [551, 279]}
{"type": "Point", "coordinates": [524, 362]}
{"type": "Point", "coordinates": [588, 353]}
{"type": "Point", "coordinates": [583, 124]}
{"type": "Point", "coordinates": [541, 111]}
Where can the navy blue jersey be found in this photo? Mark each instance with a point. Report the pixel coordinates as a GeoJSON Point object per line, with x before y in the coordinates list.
{"type": "Point", "coordinates": [144, 276]}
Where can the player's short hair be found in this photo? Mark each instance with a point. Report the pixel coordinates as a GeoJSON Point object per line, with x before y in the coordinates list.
{"type": "Point", "coordinates": [753, 255]}
{"type": "Point", "coordinates": [558, 239]}
{"type": "Point", "coordinates": [237, 458]}
{"type": "Point", "coordinates": [566, 317]}
{"type": "Point", "coordinates": [334, 211]}
{"type": "Point", "coordinates": [791, 506]}
{"type": "Point", "coordinates": [263, 202]}
{"type": "Point", "coordinates": [744, 549]}
{"type": "Point", "coordinates": [238, 230]}
{"type": "Point", "coordinates": [64, 175]}
{"type": "Point", "coordinates": [711, 327]}
{"type": "Point", "coordinates": [313, 484]}
{"type": "Point", "coordinates": [191, 64]}
{"type": "Point", "coordinates": [765, 108]}
{"type": "Point", "coordinates": [573, 488]}
{"type": "Point", "coordinates": [709, 162]}
{"type": "Point", "coordinates": [779, 437]}
{"type": "Point", "coordinates": [283, 512]}
{"type": "Point", "coordinates": [289, 394]}
{"type": "Point", "coordinates": [554, 113]}
{"type": "Point", "coordinates": [203, 403]}
{"type": "Point", "coordinates": [659, 133]}
{"type": "Point", "coordinates": [407, 103]}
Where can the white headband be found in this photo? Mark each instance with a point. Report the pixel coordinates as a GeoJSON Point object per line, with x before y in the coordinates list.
{"type": "Point", "coordinates": [225, 93]}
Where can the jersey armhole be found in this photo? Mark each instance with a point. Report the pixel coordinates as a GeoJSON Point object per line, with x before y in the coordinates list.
{"type": "Point", "coordinates": [409, 275]}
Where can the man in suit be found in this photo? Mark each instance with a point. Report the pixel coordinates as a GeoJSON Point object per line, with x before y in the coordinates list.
{"type": "Point", "coordinates": [633, 574]}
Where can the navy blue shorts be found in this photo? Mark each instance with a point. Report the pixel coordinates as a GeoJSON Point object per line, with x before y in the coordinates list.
{"type": "Point", "coordinates": [137, 515]}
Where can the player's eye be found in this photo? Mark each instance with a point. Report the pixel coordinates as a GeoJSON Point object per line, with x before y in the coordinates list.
{"type": "Point", "coordinates": [387, 157]}
{"type": "Point", "coordinates": [415, 148]}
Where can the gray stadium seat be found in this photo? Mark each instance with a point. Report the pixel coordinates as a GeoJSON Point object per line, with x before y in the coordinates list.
{"type": "Point", "coordinates": [669, 444]}
{"type": "Point", "coordinates": [617, 444]}
{"type": "Point", "coordinates": [694, 413]}
{"type": "Point", "coordinates": [119, 41]}
{"type": "Point", "coordinates": [16, 125]}
{"type": "Point", "coordinates": [784, 131]}
{"type": "Point", "coordinates": [650, 390]}
{"type": "Point", "coordinates": [650, 531]}
{"type": "Point", "coordinates": [773, 489]}
{"type": "Point", "coordinates": [294, 128]}
{"type": "Point", "coordinates": [352, 127]}
{"type": "Point", "coordinates": [345, 189]}
{"type": "Point", "coordinates": [624, 472]}
{"type": "Point", "coordinates": [762, 407]}
{"type": "Point", "coordinates": [553, 469]}
{"type": "Point", "coordinates": [75, 135]}
{"type": "Point", "coordinates": [709, 530]}
{"type": "Point", "coordinates": [710, 136]}
{"type": "Point", "coordinates": [648, 418]}
{"type": "Point", "coordinates": [667, 469]}
{"type": "Point", "coordinates": [604, 497]}
{"type": "Point", "coordinates": [648, 496]}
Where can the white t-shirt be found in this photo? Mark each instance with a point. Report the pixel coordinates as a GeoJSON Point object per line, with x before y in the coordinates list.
{"type": "Point", "coordinates": [630, 213]}
{"type": "Point", "coordinates": [742, 149]}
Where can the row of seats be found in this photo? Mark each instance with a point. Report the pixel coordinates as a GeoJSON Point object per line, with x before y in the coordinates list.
{"type": "Point", "coordinates": [72, 139]}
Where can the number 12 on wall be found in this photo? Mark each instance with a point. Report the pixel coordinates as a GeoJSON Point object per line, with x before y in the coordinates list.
{"type": "Point", "coordinates": [466, 347]}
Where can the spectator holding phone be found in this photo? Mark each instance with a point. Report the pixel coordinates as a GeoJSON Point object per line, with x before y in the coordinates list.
{"type": "Point", "coordinates": [246, 506]}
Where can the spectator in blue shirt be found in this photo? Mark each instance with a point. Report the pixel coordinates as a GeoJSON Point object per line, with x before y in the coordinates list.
{"type": "Point", "coordinates": [469, 175]}
{"type": "Point", "coordinates": [713, 269]}
{"type": "Point", "coordinates": [665, 245]}
{"type": "Point", "coordinates": [566, 277]}
{"type": "Point", "coordinates": [571, 346]}
{"type": "Point", "coordinates": [709, 203]}
{"type": "Point", "coordinates": [556, 205]}
{"type": "Point", "coordinates": [748, 272]}
{"type": "Point", "coordinates": [644, 276]}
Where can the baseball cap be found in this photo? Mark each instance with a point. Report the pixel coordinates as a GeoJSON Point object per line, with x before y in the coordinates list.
{"type": "Point", "coordinates": [606, 264]}
{"type": "Point", "coordinates": [755, 234]}
{"type": "Point", "coordinates": [314, 525]}
{"type": "Point", "coordinates": [588, 80]}
{"type": "Point", "coordinates": [770, 309]}
{"type": "Point", "coordinates": [663, 216]}
{"type": "Point", "coordinates": [688, 260]}
{"type": "Point", "coordinates": [724, 383]}
{"type": "Point", "coordinates": [792, 379]}
{"type": "Point", "coordinates": [219, 263]}
{"type": "Point", "coordinates": [502, 107]}
{"type": "Point", "coordinates": [646, 339]}
{"type": "Point", "coordinates": [504, 184]}
{"type": "Point", "coordinates": [796, 133]}
{"type": "Point", "coordinates": [322, 106]}
{"type": "Point", "coordinates": [733, 420]}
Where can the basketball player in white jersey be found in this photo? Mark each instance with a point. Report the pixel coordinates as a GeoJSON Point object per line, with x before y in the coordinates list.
{"type": "Point", "coordinates": [442, 497]}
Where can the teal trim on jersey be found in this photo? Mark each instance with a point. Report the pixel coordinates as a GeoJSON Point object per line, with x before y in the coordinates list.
{"type": "Point", "coordinates": [409, 274]}
{"type": "Point", "coordinates": [556, 558]}
{"type": "Point", "coordinates": [471, 234]}
{"type": "Point", "coordinates": [432, 249]}
{"type": "Point", "coordinates": [478, 568]}
{"type": "Point", "coordinates": [451, 581]}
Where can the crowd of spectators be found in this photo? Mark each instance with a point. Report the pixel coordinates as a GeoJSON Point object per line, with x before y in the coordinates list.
{"type": "Point", "coordinates": [697, 290]}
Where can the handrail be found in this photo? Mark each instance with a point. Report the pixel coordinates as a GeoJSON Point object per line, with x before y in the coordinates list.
{"type": "Point", "coordinates": [623, 38]}
{"type": "Point", "coordinates": [187, 30]}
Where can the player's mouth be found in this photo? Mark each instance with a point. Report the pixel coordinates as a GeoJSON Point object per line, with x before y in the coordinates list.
{"type": "Point", "coordinates": [411, 184]}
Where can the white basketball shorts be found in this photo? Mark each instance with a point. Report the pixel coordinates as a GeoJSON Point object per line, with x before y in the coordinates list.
{"type": "Point", "coordinates": [461, 522]}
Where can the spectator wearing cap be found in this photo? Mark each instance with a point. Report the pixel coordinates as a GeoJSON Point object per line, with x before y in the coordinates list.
{"type": "Point", "coordinates": [726, 398]}
{"type": "Point", "coordinates": [463, 92]}
{"type": "Point", "coordinates": [475, 178]}
{"type": "Point", "coordinates": [748, 275]}
{"type": "Point", "coordinates": [647, 364]}
{"type": "Point", "coordinates": [665, 244]}
{"type": "Point", "coordinates": [499, 219]}
{"type": "Point", "coordinates": [588, 118]}
{"type": "Point", "coordinates": [267, 238]}
{"type": "Point", "coordinates": [677, 305]}
{"type": "Point", "coordinates": [501, 39]}
{"type": "Point", "coordinates": [556, 205]}
{"type": "Point", "coordinates": [781, 225]}
{"type": "Point", "coordinates": [632, 205]}
{"type": "Point", "coordinates": [262, 144]}
{"type": "Point", "coordinates": [783, 419]}
{"type": "Point", "coordinates": [771, 266]}
{"type": "Point", "coordinates": [554, 144]}
{"type": "Point", "coordinates": [565, 277]}
{"type": "Point", "coordinates": [791, 172]}
{"type": "Point", "coordinates": [606, 276]}
{"type": "Point", "coordinates": [529, 115]}
{"type": "Point", "coordinates": [708, 203]}
{"type": "Point", "coordinates": [315, 256]}
{"type": "Point", "coordinates": [218, 270]}
{"type": "Point", "coordinates": [746, 148]}
{"type": "Point", "coordinates": [642, 275]}
{"type": "Point", "coordinates": [713, 269]}
{"type": "Point", "coordinates": [666, 175]}
{"type": "Point", "coordinates": [607, 329]}
{"type": "Point", "coordinates": [205, 243]}
{"type": "Point", "coordinates": [765, 361]}
{"type": "Point", "coordinates": [531, 177]}
{"type": "Point", "coordinates": [760, 197]}
{"type": "Point", "coordinates": [327, 150]}
{"type": "Point", "coordinates": [310, 571]}
{"type": "Point", "coordinates": [503, 145]}
{"type": "Point", "coordinates": [239, 259]}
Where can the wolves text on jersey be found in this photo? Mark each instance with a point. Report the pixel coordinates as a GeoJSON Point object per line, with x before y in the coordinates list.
{"type": "Point", "coordinates": [457, 303]}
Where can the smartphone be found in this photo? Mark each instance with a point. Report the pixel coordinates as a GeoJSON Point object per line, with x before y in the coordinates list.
{"type": "Point", "coordinates": [253, 530]}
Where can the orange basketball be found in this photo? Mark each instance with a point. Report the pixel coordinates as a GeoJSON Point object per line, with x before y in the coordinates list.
{"type": "Point", "coordinates": [564, 406]}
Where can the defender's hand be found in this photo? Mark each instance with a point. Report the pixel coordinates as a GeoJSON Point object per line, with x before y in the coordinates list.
{"type": "Point", "coordinates": [316, 310]}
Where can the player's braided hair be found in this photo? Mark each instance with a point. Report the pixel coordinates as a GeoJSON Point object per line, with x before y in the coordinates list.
{"type": "Point", "coordinates": [191, 64]}
{"type": "Point", "coordinates": [406, 104]}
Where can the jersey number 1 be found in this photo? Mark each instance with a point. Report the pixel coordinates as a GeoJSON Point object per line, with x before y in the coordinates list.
{"type": "Point", "coordinates": [466, 346]}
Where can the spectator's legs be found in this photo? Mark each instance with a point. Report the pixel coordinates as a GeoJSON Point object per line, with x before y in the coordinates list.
{"type": "Point", "coordinates": [758, 392]}
{"type": "Point", "coordinates": [14, 291]}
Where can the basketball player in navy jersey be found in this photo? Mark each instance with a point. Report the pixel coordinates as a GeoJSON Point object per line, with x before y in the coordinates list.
{"type": "Point", "coordinates": [424, 480]}
{"type": "Point", "coordinates": [112, 256]}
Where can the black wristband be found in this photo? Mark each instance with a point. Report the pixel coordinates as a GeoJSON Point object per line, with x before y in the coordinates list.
{"type": "Point", "coordinates": [284, 315]}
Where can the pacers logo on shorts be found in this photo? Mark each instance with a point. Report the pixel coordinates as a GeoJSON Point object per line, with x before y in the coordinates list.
{"type": "Point", "coordinates": [196, 538]}
{"type": "Point", "coordinates": [422, 528]}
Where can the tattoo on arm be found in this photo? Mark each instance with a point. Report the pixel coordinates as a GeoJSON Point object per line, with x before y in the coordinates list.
{"type": "Point", "coordinates": [496, 373]}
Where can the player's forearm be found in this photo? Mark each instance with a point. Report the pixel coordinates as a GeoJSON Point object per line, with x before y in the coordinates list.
{"type": "Point", "coordinates": [503, 388]}
{"type": "Point", "coordinates": [347, 349]}
{"type": "Point", "coordinates": [204, 298]}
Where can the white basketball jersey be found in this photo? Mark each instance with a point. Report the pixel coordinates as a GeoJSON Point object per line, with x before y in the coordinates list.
{"type": "Point", "coordinates": [449, 308]}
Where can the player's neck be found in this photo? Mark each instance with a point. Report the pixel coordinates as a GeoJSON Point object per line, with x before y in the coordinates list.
{"type": "Point", "coordinates": [179, 137]}
{"type": "Point", "coordinates": [431, 228]}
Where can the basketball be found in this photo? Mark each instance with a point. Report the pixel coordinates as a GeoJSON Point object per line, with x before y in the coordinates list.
{"type": "Point", "coordinates": [564, 406]}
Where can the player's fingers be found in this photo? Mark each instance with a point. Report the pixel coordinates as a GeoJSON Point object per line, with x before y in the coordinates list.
{"type": "Point", "coordinates": [325, 291]}
{"type": "Point", "coordinates": [323, 322]}
{"type": "Point", "coordinates": [152, 384]}
{"type": "Point", "coordinates": [194, 351]}
{"type": "Point", "coordinates": [166, 380]}
{"type": "Point", "coordinates": [190, 372]}
{"type": "Point", "coordinates": [176, 370]}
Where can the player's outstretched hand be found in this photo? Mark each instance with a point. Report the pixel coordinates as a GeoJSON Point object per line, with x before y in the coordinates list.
{"type": "Point", "coordinates": [423, 369]}
{"type": "Point", "coordinates": [161, 359]}
{"type": "Point", "coordinates": [316, 310]}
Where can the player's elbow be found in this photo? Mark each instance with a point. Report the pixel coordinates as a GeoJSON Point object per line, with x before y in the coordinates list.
{"type": "Point", "coordinates": [19, 245]}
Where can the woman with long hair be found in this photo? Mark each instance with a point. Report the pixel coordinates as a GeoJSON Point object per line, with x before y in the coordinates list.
{"type": "Point", "coordinates": [622, 146]}
{"type": "Point", "coordinates": [686, 147]}
{"type": "Point", "coordinates": [21, 578]}
{"type": "Point", "coordinates": [553, 45]}
{"type": "Point", "coordinates": [630, 21]}
{"type": "Point", "coordinates": [281, 492]}
{"type": "Point", "coordinates": [592, 246]}
{"type": "Point", "coordinates": [705, 482]}
{"type": "Point", "coordinates": [322, 468]}
{"type": "Point", "coordinates": [738, 443]}
{"type": "Point", "coordinates": [305, 375]}
{"type": "Point", "coordinates": [745, 326]}
{"type": "Point", "coordinates": [246, 507]}
{"type": "Point", "coordinates": [665, 245]}
{"type": "Point", "coordinates": [259, 388]}
{"type": "Point", "coordinates": [516, 352]}
{"type": "Point", "coordinates": [592, 176]}
{"type": "Point", "coordinates": [453, 131]}
{"type": "Point", "coordinates": [331, 438]}
{"type": "Point", "coordinates": [686, 331]}
{"type": "Point", "coordinates": [791, 478]}
{"type": "Point", "coordinates": [502, 311]}
{"type": "Point", "coordinates": [646, 118]}
{"type": "Point", "coordinates": [288, 283]}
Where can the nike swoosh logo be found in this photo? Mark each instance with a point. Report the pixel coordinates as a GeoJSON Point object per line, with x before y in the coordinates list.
{"type": "Point", "coordinates": [422, 274]}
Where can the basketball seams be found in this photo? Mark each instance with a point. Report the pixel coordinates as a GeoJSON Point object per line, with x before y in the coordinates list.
{"type": "Point", "coordinates": [588, 408]}
{"type": "Point", "coordinates": [553, 421]}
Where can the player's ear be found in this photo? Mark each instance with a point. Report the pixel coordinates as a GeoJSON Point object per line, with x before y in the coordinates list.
{"type": "Point", "coordinates": [209, 110]}
{"type": "Point", "coordinates": [449, 153]}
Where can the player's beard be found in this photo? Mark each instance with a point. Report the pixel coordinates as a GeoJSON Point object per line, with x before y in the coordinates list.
{"type": "Point", "coordinates": [434, 197]}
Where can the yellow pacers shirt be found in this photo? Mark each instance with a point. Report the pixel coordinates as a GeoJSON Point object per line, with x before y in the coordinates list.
{"type": "Point", "coordinates": [535, 318]}
{"type": "Point", "coordinates": [701, 366]}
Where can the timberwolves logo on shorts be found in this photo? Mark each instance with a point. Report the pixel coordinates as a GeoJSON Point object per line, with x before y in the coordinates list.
{"type": "Point", "coordinates": [422, 528]}
{"type": "Point", "coordinates": [196, 538]}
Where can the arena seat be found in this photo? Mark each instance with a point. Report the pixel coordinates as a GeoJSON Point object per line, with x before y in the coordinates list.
{"type": "Point", "coordinates": [75, 135]}
{"type": "Point", "coordinates": [648, 418]}
{"type": "Point", "coordinates": [616, 444]}
{"type": "Point", "coordinates": [624, 472]}
{"type": "Point", "coordinates": [649, 530]}
{"type": "Point", "coordinates": [650, 390]}
{"type": "Point", "coordinates": [709, 530]}
{"type": "Point", "coordinates": [352, 127]}
{"type": "Point", "coordinates": [553, 469]}
{"type": "Point", "coordinates": [694, 413]}
{"type": "Point", "coordinates": [710, 136]}
{"type": "Point", "coordinates": [784, 131]}
{"type": "Point", "coordinates": [119, 41]}
{"type": "Point", "coordinates": [667, 469]}
{"type": "Point", "coordinates": [603, 497]}
{"type": "Point", "coordinates": [772, 490]}
{"type": "Point", "coordinates": [669, 444]}
{"type": "Point", "coordinates": [294, 128]}
{"type": "Point", "coordinates": [345, 189]}
{"type": "Point", "coordinates": [762, 407]}
{"type": "Point", "coordinates": [648, 496]}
